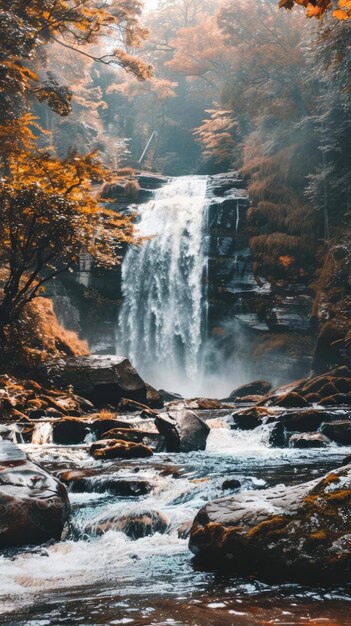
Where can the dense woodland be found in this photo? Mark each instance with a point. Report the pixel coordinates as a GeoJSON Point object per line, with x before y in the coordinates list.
{"type": "Point", "coordinates": [221, 85]}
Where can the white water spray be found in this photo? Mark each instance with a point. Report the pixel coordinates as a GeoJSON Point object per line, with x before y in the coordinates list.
{"type": "Point", "coordinates": [162, 319]}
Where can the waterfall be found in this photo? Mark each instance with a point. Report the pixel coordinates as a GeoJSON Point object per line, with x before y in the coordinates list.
{"type": "Point", "coordinates": [162, 318]}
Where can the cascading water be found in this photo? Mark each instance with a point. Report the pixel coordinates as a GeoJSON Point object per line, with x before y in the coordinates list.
{"type": "Point", "coordinates": [161, 324]}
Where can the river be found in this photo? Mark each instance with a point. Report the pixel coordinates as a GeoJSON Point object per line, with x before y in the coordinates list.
{"type": "Point", "coordinates": [111, 579]}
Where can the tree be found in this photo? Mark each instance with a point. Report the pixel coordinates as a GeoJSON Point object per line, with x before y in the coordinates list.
{"type": "Point", "coordinates": [317, 8]}
{"type": "Point", "coordinates": [50, 211]}
{"type": "Point", "coordinates": [48, 217]}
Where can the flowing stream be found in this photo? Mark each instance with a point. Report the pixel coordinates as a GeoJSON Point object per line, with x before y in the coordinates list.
{"type": "Point", "coordinates": [163, 316]}
{"type": "Point", "coordinates": [110, 579]}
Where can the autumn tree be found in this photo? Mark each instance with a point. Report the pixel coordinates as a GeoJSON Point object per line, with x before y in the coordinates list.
{"type": "Point", "coordinates": [50, 210]}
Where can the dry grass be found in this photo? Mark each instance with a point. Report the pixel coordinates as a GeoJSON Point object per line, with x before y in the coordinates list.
{"type": "Point", "coordinates": [38, 334]}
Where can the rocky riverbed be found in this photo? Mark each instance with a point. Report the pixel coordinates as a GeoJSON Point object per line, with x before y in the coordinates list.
{"type": "Point", "coordinates": [134, 486]}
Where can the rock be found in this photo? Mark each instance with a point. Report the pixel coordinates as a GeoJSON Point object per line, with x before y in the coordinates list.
{"type": "Point", "coordinates": [277, 438]}
{"type": "Point", "coordinates": [203, 404]}
{"type": "Point", "coordinates": [246, 421]}
{"type": "Point", "coordinates": [168, 396]}
{"type": "Point", "coordinates": [69, 431]}
{"type": "Point", "coordinates": [118, 449]}
{"type": "Point", "coordinates": [135, 525]}
{"type": "Point", "coordinates": [338, 399]}
{"type": "Point", "coordinates": [95, 481]}
{"type": "Point", "coordinates": [132, 406]}
{"type": "Point", "coordinates": [101, 379]}
{"type": "Point", "coordinates": [153, 397]}
{"type": "Point", "coordinates": [33, 504]}
{"type": "Point", "coordinates": [184, 529]}
{"type": "Point", "coordinates": [231, 483]}
{"type": "Point", "coordinates": [304, 421]}
{"type": "Point", "coordinates": [151, 439]}
{"type": "Point", "coordinates": [256, 388]}
{"type": "Point", "coordinates": [102, 425]}
{"type": "Point", "coordinates": [300, 532]}
{"type": "Point", "coordinates": [291, 400]}
{"type": "Point", "coordinates": [151, 181]}
{"type": "Point", "coordinates": [248, 399]}
{"type": "Point", "coordinates": [308, 440]}
{"type": "Point", "coordinates": [329, 389]}
{"type": "Point", "coordinates": [338, 431]}
{"type": "Point", "coordinates": [183, 430]}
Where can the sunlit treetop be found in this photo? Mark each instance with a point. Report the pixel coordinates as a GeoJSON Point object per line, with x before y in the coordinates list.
{"type": "Point", "coordinates": [317, 8]}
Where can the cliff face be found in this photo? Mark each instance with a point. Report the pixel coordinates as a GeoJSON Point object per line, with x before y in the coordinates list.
{"type": "Point", "coordinates": [264, 322]}
{"type": "Point", "coordinates": [264, 311]}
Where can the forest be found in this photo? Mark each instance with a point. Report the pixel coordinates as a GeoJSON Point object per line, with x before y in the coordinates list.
{"type": "Point", "coordinates": [175, 312]}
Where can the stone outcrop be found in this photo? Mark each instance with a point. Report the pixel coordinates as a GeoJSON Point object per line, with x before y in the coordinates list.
{"type": "Point", "coordinates": [33, 504]}
{"type": "Point", "coordinates": [183, 431]}
{"type": "Point", "coordinates": [301, 532]}
{"type": "Point", "coordinates": [103, 380]}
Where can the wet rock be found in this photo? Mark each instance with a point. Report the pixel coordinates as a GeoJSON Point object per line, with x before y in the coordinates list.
{"type": "Point", "coordinates": [184, 529]}
{"type": "Point", "coordinates": [168, 396]}
{"type": "Point", "coordinates": [135, 524]}
{"type": "Point", "coordinates": [153, 397]}
{"type": "Point", "coordinates": [90, 481]}
{"type": "Point", "coordinates": [277, 436]}
{"type": "Point", "coordinates": [151, 181]}
{"type": "Point", "coordinates": [304, 421]}
{"type": "Point", "coordinates": [33, 504]}
{"type": "Point", "coordinates": [256, 388]}
{"type": "Point", "coordinates": [291, 400]}
{"type": "Point", "coordinates": [339, 399]}
{"type": "Point", "coordinates": [101, 379]}
{"type": "Point", "coordinates": [69, 431]}
{"type": "Point", "coordinates": [248, 399]}
{"type": "Point", "coordinates": [246, 421]}
{"type": "Point", "coordinates": [118, 449]}
{"type": "Point", "coordinates": [151, 439]}
{"type": "Point", "coordinates": [308, 440]}
{"type": "Point", "coordinates": [203, 404]}
{"type": "Point", "coordinates": [231, 483]}
{"type": "Point", "coordinates": [127, 406]}
{"type": "Point", "coordinates": [301, 532]}
{"type": "Point", "coordinates": [183, 430]}
{"type": "Point", "coordinates": [338, 431]}
{"type": "Point", "coordinates": [102, 425]}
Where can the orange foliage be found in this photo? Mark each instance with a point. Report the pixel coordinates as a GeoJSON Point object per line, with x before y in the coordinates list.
{"type": "Point", "coordinates": [317, 8]}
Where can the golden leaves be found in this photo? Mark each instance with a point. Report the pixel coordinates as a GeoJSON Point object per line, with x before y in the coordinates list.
{"type": "Point", "coordinates": [317, 8]}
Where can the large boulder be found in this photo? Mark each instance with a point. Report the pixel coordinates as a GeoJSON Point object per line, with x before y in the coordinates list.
{"type": "Point", "coordinates": [301, 532]}
{"type": "Point", "coordinates": [69, 431]}
{"type": "Point", "coordinates": [183, 431]}
{"type": "Point", "coordinates": [256, 388]}
{"type": "Point", "coordinates": [303, 421]}
{"type": "Point", "coordinates": [34, 505]}
{"type": "Point", "coordinates": [290, 400]}
{"type": "Point", "coordinates": [338, 431]}
{"type": "Point", "coordinates": [101, 379]}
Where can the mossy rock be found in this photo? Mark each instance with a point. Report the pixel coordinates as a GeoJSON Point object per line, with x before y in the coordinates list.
{"type": "Point", "coordinates": [299, 533]}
